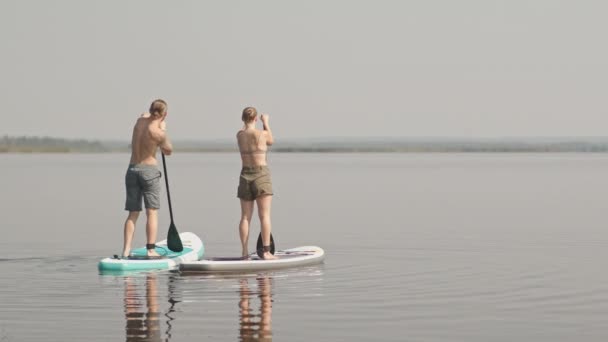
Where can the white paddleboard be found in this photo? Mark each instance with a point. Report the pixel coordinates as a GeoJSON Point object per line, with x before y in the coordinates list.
{"type": "Point", "coordinates": [300, 256]}
{"type": "Point", "coordinates": [193, 250]}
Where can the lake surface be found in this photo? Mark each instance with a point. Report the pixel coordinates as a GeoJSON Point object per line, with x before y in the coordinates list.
{"type": "Point", "coordinates": [419, 247]}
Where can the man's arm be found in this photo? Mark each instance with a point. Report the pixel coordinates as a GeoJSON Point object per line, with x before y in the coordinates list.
{"type": "Point", "coordinates": [165, 144]}
{"type": "Point", "coordinates": [269, 138]}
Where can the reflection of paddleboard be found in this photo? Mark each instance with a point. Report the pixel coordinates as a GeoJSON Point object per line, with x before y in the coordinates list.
{"type": "Point", "coordinates": [193, 250]}
{"type": "Point", "coordinates": [301, 256]}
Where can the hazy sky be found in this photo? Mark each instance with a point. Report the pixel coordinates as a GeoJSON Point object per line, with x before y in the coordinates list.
{"type": "Point", "coordinates": [87, 69]}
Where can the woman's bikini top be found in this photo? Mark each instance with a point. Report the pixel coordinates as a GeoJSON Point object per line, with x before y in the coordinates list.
{"type": "Point", "coordinates": [257, 150]}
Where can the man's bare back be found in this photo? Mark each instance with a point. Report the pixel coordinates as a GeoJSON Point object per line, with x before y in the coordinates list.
{"type": "Point", "coordinates": [148, 135]}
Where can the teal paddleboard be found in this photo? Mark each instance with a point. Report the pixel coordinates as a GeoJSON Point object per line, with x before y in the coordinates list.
{"type": "Point", "coordinates": [193, 250]}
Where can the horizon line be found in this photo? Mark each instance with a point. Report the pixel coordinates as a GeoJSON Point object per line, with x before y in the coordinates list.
{"type": "Point", "coordinates": [329, 138]}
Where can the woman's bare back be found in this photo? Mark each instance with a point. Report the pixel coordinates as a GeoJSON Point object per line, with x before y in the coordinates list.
{"type": "Point", "coordinates": [253, 146]}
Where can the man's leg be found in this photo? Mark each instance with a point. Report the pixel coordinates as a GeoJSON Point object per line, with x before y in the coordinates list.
{"type": "Point", "coordinates": [264, 202]}
{"type": "Point", "coordinates": [246, 213]}
{"type": "Point", "coordinates": [151, 229]}
{"type": "Point", "coordinates": [128, 233]}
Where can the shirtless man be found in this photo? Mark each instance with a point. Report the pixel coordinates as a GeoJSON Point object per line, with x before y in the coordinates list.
{"type": "Point", "coordinates": [255, 186]}
{"type": "Point", "coordinates": [143, 177]}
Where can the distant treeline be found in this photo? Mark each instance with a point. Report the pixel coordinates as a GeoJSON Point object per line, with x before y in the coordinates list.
{"type": "Point", "coordinates": [47, 144]}
{"type": "Point", "coordinates": [449, 146]}
{"type": "Point", "coordinates": [336, 145]}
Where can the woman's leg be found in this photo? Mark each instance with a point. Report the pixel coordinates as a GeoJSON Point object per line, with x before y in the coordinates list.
{"type": "Point", "coordinates": [264, 203]}
{"type": "Point", "coordinates": [246, 213]}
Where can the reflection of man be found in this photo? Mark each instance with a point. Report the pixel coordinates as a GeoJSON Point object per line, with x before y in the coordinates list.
{"type": "Point", "coordinates": [250, 329]}
{"type": "Point", "coordinates": [143, 323]}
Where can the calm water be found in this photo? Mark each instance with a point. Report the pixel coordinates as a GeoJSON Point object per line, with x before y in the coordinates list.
{"type": "Point", "coordinates": [420, 247]}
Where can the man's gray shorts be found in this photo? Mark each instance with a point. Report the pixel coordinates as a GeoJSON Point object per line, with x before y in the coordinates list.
{"type": "Point", "coordinates": [142, 181]}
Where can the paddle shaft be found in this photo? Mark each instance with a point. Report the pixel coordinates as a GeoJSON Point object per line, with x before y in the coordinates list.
{"type": "Point", "coordinates": [174, 242]}
{"type": "Point", "coordinates": [167, 183]}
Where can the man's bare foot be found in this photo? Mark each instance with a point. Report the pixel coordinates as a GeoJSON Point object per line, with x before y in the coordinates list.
{"type": "Point", "coordinates": [126, 253]}
{"type": "Point", "coordinates": [268, 256]}
{"type": "Point", "coordinates": [152, 253]}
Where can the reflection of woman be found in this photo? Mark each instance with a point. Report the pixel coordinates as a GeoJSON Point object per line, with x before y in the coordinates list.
{"type": "Point", "coordinates": [143, 324]}
{"type": "Point", "coordinates": [250, 329]}
{"type": "Point", "coordinates": [254, 181]}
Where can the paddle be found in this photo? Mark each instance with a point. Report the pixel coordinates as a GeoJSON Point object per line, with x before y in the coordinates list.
{"type": "Point", "coordinates": [260, 245]}
{"type": "Point", "coordinates": [173, 240]}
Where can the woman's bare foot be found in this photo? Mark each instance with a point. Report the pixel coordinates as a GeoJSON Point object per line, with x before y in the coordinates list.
{"type": "Point", "coordinates": [245, 254]}
{"type": "Point", "coordinates": [268, 256]}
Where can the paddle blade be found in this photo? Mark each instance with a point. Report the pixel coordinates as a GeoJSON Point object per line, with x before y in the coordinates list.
{"type": "Point", "coordinates": [174, 242]}
{"type": "Point", "coordinates": [260, 245]}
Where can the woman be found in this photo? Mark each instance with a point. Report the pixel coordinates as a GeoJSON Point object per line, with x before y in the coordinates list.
{"type": "Point", "coordinates": [255, 185]}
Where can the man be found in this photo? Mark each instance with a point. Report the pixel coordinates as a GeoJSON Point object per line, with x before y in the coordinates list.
{"type": "Point", "coordinates": [143, 176]}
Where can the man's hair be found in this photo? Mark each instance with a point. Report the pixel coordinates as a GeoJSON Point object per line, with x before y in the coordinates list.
{"type": "Point", "coordinates": [158, 107]}
{"type": "Point", "coordinates": [249, 113]}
